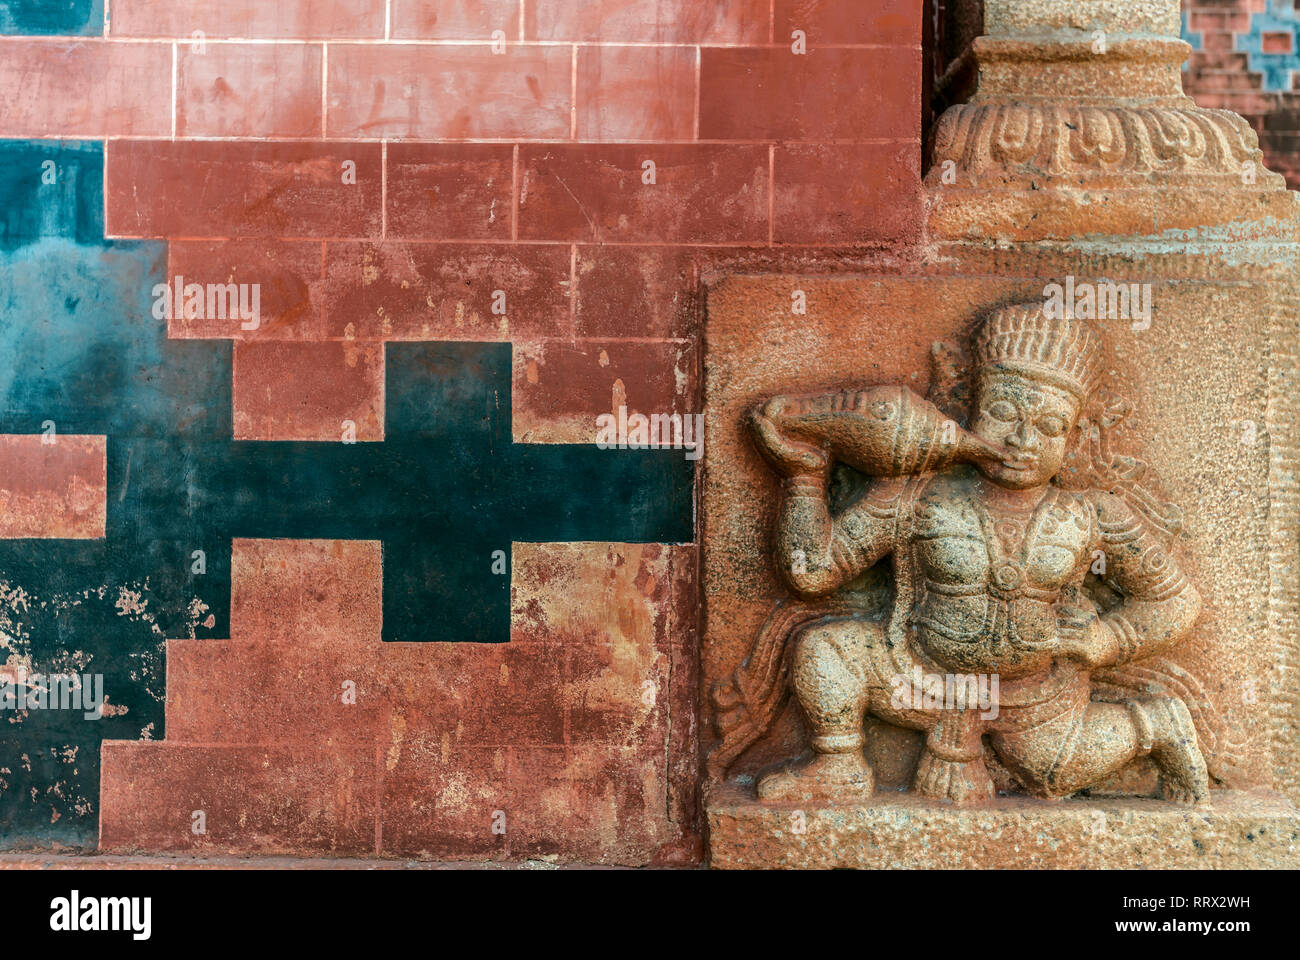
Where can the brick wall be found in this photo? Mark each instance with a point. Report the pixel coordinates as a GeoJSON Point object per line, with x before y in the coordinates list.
{"type": "Point", "coordinates": [1246, 58]}
{"type": "Point", "coordinates": [554, 176]}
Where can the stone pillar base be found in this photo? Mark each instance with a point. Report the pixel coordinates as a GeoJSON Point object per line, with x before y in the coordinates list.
{"type": "Point", "coordinates": [1238, 829]}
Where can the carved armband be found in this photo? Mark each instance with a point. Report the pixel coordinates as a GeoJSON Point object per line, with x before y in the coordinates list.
{"type": "Point", "coordinates": [1125, 637]}
{"type": "Point", "coordinates": [1159, 604]}
{"type": "Point", "coordinates": [1149, 570]}
{"type": "Point", "coordinates": [863, 532]}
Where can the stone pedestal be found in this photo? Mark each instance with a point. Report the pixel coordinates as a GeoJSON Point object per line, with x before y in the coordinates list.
{"type": "Point", "coordinates": [1237, 830]}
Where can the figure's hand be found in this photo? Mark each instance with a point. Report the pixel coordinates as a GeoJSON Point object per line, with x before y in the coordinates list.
{"type": "Point", "coordinates": [971, 448]}
{"type": "Point", "coordinates": [1085, 638]}
{"type": "Point", "coordinates": [790, 458]}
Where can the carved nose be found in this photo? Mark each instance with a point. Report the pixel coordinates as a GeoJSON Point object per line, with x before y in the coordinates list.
{"type": "Point", "coordinates": [1023, 437]}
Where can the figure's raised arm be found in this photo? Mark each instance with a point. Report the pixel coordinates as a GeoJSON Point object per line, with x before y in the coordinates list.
{"type": "Point", "coordinates": [818, 552]}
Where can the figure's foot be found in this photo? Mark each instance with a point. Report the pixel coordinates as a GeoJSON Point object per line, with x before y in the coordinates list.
{"type": "Point", "coordinates": [961, 782]}
{"type": "Point", "coordinates": [1184, 777]}
{"type": "Point", "coordinates": [828, 777]}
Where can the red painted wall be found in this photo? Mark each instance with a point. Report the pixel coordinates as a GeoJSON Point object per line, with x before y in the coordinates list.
{"type": "Point", "coordinates": [782, 134]}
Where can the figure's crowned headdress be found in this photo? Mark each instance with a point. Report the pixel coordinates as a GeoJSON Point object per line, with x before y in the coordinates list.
{"type": "Point", "coordinates": [1022, 339]}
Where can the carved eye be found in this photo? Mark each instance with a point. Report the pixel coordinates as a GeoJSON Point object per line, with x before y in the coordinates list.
{"type": "Point", "coordinates": [1001, 410]}
{"type": "Point", "coordinates": [1051, 426]}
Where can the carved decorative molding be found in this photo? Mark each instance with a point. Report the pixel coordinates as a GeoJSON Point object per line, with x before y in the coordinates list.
{"type": "Point", "coordinates": [1095, 104]}
{"type": "Point", "coordinates": [1098, 145]}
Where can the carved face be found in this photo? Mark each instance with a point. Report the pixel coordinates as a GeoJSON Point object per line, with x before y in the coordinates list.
{"type": "Point", "coordinates": [1031, 419]}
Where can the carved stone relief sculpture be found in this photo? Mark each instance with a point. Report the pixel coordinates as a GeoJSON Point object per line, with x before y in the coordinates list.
{"type": "Point", "coordinates": [1034, 575]}
{"type": "Point", "coordinates": [1035, 605]}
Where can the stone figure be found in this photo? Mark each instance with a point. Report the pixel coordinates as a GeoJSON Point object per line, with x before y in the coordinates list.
{"type": "Point", "coordinates": [1025, 559]}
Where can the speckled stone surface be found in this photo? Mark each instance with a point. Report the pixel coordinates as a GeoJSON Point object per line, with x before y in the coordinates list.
{"type": "Point", "coordinates": [1237, 830]}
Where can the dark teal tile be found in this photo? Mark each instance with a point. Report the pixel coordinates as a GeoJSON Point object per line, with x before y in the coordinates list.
{"type": "Point", "coordinates": [48, 17]}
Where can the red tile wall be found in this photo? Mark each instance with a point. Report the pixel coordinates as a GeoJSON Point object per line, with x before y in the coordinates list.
{"type": "Point", "coordinates": [1219, 74]}
{"type": "Point", "coordinates": [553, 731]}
{"type": "Point", "coordinates": [380, 169]}
{"type": "Point", "coordinates": [520, 132]}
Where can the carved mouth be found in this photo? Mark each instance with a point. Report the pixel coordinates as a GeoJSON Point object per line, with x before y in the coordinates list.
{"type": "Point", "coordinates": [1019, 464]}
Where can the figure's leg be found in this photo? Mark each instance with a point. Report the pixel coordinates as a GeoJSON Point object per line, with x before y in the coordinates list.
{"type": "Point", "coordinates": [1070, 751]}
{"type": "Point", "coordinates": [827, 676]}
{"type": "Point", "coordinates": [1166, 731]}
{"type": "Point", "coordinates": [952, 764]}
{"type": "Point", "coordinates": [1080, 747]}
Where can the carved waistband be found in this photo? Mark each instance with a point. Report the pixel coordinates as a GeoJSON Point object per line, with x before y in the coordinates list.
{"type": "Point", "coordinates": [993, 591]}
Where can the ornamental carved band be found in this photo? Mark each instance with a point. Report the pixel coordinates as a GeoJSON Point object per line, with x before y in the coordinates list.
{"type": "Point", "coordinates": [1108, 113]}
{"type": "Point", "coordinates": [1034, 573]}
{"type": "Point", "coordinates": [1098, 145]}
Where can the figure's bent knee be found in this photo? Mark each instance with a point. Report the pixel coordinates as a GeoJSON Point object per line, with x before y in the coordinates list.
{"type": "Point", "coordinates": [828, 680]}
{"type": "Point", "coordinates": [828, 648]}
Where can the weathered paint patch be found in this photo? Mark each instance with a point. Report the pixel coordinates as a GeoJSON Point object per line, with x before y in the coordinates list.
{"type": "Point", "coordinates": [53, 486]}
{"type": "Point", "coordinates": [82, 352]}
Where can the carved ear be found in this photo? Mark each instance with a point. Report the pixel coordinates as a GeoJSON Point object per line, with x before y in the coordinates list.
{"type": "Point", "coordinates": [1130, 469]}
{"type": "Point", "coordinates": [1114, 408]}
{"type": "Point", "coordinates": [950, 386]}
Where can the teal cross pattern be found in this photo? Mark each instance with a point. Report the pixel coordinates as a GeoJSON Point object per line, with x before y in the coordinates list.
{"type": "Point", "coordinates": [443, 491]}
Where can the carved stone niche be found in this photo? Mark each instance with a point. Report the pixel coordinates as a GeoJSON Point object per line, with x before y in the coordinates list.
{"type": "Point", "coordinates": [1000, 555]}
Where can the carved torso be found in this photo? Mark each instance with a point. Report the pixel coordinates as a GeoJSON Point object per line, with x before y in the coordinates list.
{"type": "Point", "coordinates": [988, 578]}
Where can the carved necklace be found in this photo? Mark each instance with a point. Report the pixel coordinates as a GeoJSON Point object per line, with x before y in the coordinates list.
{"type": "Point", "coordinates": [1007, 537]}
